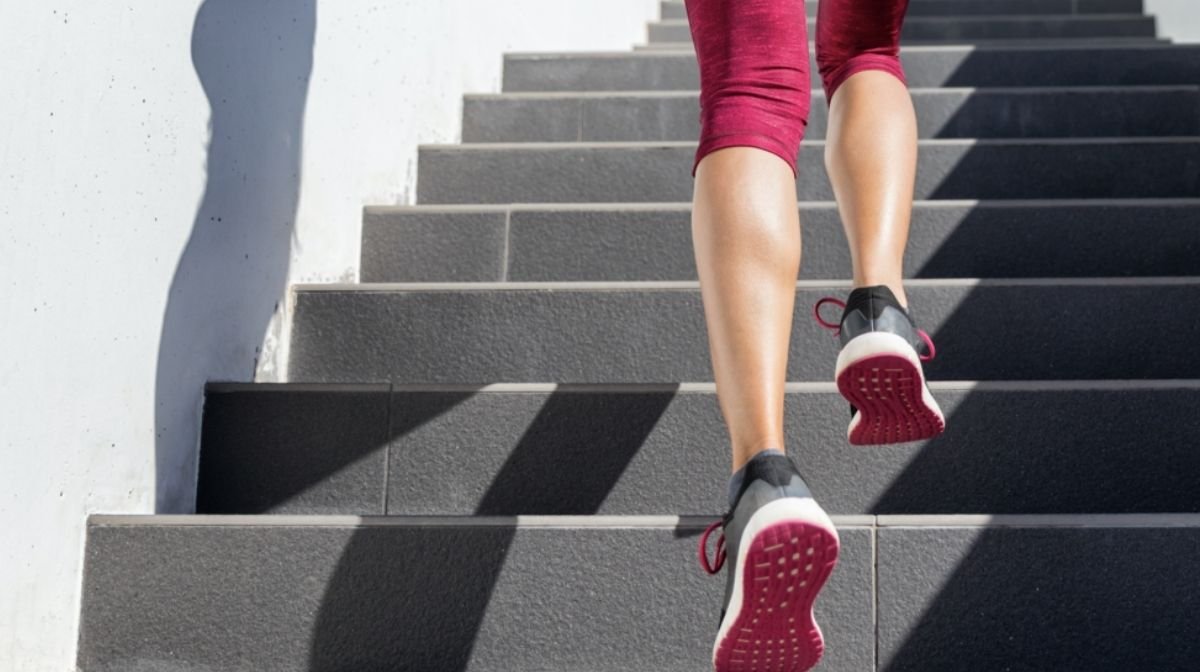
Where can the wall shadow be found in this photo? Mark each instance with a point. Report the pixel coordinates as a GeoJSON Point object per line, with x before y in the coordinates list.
{"type": "Point", "coordinates": [1053, 598]}
{"type": "Point", "coordinates": [254, 61]}
{"type": "Point", "coordinates": [419, 594]}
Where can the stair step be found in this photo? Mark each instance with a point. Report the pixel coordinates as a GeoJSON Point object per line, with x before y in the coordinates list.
{"type": "Point", "coordinates": [672, 9]}
{"type": "Point", "coordinates": [1061, 112]}
{"type": "Point", "coordinates": [977, 41]}
{"type": "Point", "coordinates": [578, 172]}
{"type": "Point", "coordinates": [509, 449]}
{"type": "Point", "coordinates": [1036, 598]}
{"type": "Point", "coordinates": [924, 67]}
{"type": "Point", "coordinates": [281, 593]}
{"type": "Point", "coordinates": [629, 241]}
{"type": "Point", "coordinates": [952, 28]}
{"type": "Point", "coordinates": [1090, 329]}
{"type": "Point", "coordinates": [619, 593]}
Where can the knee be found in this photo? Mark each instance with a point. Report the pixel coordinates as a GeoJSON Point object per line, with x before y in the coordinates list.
{"type": "Point", "coordinates": [768, 112]}
{"type": "Point", "coordinates": [857, 35]}
{"type": "Point", "coordinates": [755, 83]}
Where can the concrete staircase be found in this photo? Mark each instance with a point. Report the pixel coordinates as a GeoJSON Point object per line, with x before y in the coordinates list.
{"type": "Point", "coordinates": [501, 446]}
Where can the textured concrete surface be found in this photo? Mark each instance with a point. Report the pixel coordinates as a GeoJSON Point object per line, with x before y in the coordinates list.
{"type": "Point", "coordinates": [954, 28]}
{"type": "Point", "coordinates": [1053, 112]}
{"type": "Point", "coordinates": [995, 239]}
{"type": "Point", "coordinates": [288, 449]}
{"type": "Point", "coordinates": [946, 169]}
{"type": "Point", "coordinates": [662, 450]}
{"type": "Point", "coordinates": [658, 452]}
{"type": "Point", "coordinates": [1085, 65]}
{"type": "Point", "coordinates": [1038, 599]}
{"type": "Point", "coordinates": [1002, 330]}
{"type": "Point", "coordinates": [673, 9]}
{"type": "Point", "coordinates": [425, 597]}
{"type": "Point", "coordinates": [453, 245]}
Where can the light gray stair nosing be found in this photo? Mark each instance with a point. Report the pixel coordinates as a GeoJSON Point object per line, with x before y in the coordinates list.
{"type": "Point", "coordinates": [931, 48]}
{"type": "Point", "coordinates": [689, 285]}
{"type": "Point", "coordinates": [526, 522]}
{"type": "Point", "coordinates": [1053, 520]}
{"type": "Point", "coordinates": [931, 142]}
{"type": "Point", "coordinates": [807, 387]}
{"type": "Point", "coordinates": [982, 521]}
{"type": "Point", "coordinates": [222, 387]}
{"type": "Point", "coordinates": [701, 387]}
{"type": "Point", "coordinates": [816, 93]}
{"type": "Point", "coordinates": [676, 48]}
{"type": "Point", "coordinates": [981, 18]}
{"type": "Point", "coordinates": [807, 204]}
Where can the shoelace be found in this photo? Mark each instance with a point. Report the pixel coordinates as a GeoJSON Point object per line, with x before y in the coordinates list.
{"type": "Point", "coordinates": [837, 328]}
{"type": "Point", "coordinates": [721, 554]}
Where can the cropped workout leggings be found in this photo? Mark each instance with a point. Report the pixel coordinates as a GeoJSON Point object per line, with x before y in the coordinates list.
{"type": "Point", "coordinates": [755, 84]}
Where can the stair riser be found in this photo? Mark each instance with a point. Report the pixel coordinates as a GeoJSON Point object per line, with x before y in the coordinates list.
{"type": "Point", "coordinates": [983, 332]}
{"type": "Point", "coordinates": [947, 169]}
{"type": "Point", "coordinates": [1048, 599]}
{"type": "Point", "coordinates": [646, 243]}
{"type": "Point", "coordinates": [457, 598]}
{"type": "Point", "coordinates": [662, 451]}
{"type": "Point", "coordinates": [676, 10]}
{"type": "Point", "coordinates": [923, 68]}
{"type": "Point", "coordinates": [1111, 112]}
{"type": "Point", "coordinates": [960, 28]}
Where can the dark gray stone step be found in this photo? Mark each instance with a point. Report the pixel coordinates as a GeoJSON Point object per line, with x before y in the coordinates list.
{"type": "Point", "coordinates": [661, 171]}
{"type": "Point", "coordinates": [948, 239]}
{"type": "Point", "coordinates": [1051, 447]}
{"type": "Point", "coordinates": [1010, 598]}
{"type": "Point", "coordinates": [261, 593]}
{"type": "Point", "coordinates": [675, 10]}
{"type": "Point", "coordinates": [655, 332]}
{"type": "Point", "coordinates": [292, 593]}
{"type": "Point", "coordinates": [1111, 111]}
{"type": "Point", "coordinates": [952, 28]}
{"type": "Point", "coordinates": [928, 66]}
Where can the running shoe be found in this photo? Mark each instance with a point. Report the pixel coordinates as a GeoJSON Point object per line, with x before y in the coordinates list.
{"type": "Point", "coordinates": [879, 369]}
{"type": "Point", "coordinates": [784, 549]}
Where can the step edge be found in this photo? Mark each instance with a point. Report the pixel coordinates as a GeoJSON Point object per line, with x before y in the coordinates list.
{"type": "Point", "coordinates": [694, 285]}
{"type": "Point", "coordinates": [877, 522]}
{"type": "Point", "coordinates": [586, 206]}
{"type": "Point", "coordinates": [916, 91]}
{"type": "Point", "coordinates": [565, 145]}
{"type": "Point", "coordinates": [703, 387]}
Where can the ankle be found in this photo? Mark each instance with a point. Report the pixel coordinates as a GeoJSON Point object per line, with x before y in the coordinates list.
{"type": "Point", "coordinates": [896, 287]}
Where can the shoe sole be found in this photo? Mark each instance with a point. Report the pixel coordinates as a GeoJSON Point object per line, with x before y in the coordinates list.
{"type": "Point", "coordinates": [788, 551]}
{"type": "Point", "coordinates": [881, 375]}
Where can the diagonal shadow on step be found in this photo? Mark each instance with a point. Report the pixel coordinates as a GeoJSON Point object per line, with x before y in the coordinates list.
{"type": "Point", "coordinates": [574, 452]}
{"type": "Point", "coordinates": [1050, 598]}
{"type": "Point", "coordinates": [304, 449]}
{"type": "Point", "coordinates": [427, 605]}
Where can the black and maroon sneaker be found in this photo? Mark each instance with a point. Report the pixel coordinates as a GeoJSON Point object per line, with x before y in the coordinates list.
{"type": "Point", "coordinates": [785, 547]}
{"type": "Point", "coordinates": [879, 369]}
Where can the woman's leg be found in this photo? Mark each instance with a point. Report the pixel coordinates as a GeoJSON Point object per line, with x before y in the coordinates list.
{"type": "Point", "coordinates": [746, 235]}
{"type": "Point", "coordinates": [755, 97]}
{"type": "Point", "coordinates": [871, 143]}
{"type": "Point", "coordinates": [871, 158]}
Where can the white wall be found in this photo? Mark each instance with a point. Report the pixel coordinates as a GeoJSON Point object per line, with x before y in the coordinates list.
{"type": "Point", "coordinates": [1177, 19]}
{"type": "Point", "coordinates": [138, 260]}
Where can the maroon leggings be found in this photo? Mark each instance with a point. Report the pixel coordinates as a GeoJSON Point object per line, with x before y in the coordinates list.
{"type": "Point", "coordinates": [755, 84]}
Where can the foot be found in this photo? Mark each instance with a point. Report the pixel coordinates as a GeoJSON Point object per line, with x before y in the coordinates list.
{"type": "Point", "coordinates": [784, 549]}
{"type": "Point", "coordinates": [879, 370]}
